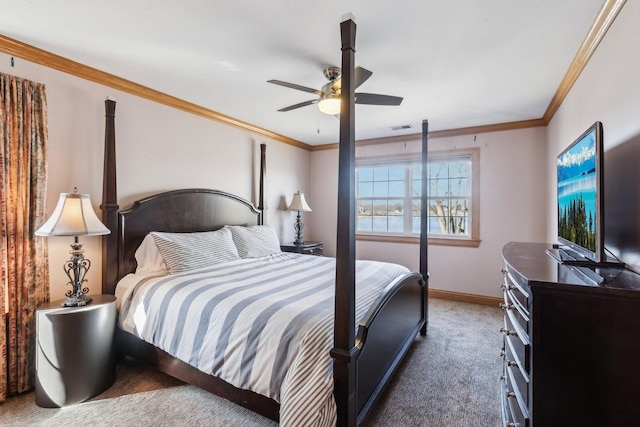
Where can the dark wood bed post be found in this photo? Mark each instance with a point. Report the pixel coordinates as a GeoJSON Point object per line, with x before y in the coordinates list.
{"type": "Point", "coordinates": [109, 204]}
{"type": "Point", "coordinates": [344, 352]}
{"type": "Point", "coordinates": [263, 173]}
{"type": "Point", "coordinates": [424, 240]}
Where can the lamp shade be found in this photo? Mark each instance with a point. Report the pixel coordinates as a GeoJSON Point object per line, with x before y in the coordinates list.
{"type": "Point", "coordinates": [73, 216]}
{"type": "Point", "coordinates": [298, 203]}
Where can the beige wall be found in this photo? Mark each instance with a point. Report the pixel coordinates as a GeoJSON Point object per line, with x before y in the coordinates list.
{"type": "Point", "coordinates": [158, 149]}
{"type": "Point", "coordinates": [608, 90]}
{"type": "Point", "coordinates": [512, 199]}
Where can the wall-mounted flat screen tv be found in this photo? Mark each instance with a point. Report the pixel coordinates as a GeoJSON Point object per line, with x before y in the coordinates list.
{"type": "Point", "coordinates": [580, 195]}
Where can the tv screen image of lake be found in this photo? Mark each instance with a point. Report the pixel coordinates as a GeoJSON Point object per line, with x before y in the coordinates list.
{"type": "Point", "coordinates": [577, 193]}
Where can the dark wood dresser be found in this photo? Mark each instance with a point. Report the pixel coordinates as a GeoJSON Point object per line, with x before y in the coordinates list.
{"type": "Point", "coordinates": [570, 344]}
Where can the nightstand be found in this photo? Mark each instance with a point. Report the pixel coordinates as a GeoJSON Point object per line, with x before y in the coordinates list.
{"type": "Point", "coordinates": [307, 248]}
{"type": "Point", "coordinates": [75, 354]}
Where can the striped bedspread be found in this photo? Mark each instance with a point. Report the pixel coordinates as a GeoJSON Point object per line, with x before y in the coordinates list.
{"type": "Point", "coordinates": [262, 324]}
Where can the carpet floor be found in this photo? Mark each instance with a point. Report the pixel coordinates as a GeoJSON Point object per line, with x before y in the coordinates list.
{"type": "Point", "coordinates": [450, 378]}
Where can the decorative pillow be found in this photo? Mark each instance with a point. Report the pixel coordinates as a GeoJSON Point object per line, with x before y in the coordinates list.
{"type": "Point", "coordinates": [149, 259]}
{"type": "Point", "coordinates": [186, 251]}
{"type": "Point", "coordinates": [255, 241]}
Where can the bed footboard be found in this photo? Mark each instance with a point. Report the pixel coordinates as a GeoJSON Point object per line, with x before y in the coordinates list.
{"type": "Point", "coordinates": [384, 336]}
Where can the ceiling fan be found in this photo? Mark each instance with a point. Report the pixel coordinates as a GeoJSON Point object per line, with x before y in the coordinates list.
{"type": "Point", "coordinates": [329, 95]}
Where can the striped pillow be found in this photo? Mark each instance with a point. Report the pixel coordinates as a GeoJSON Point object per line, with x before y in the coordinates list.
{"type": "Point", "coordinates": [255, 241]}
{"type": "Point", "coordinates": [186, 251]}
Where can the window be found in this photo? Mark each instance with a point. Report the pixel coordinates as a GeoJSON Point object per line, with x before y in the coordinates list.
{"type": "Point", "coordinates": [388, 198]}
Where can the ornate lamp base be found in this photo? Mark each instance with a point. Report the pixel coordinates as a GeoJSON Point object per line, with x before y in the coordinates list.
{"type": "Point", "coordinates": [298, 227]}
{"type": "Point", "coordinates": [76, 269]}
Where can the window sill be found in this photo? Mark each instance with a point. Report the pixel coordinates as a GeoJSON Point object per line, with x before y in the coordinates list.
{"type": "Point", "coordinates": [435, 241]}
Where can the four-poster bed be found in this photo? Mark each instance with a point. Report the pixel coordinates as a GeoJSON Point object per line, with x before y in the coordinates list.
{"type": "Point", "coordinates": [363, 360]}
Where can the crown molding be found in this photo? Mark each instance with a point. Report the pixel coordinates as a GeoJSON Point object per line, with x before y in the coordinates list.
{"type": "Point", "coordinates": [57, 62]}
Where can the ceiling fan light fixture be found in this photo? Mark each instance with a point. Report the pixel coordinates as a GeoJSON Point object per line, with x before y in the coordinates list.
{"type": "Point", "coordinates": [329, 105]}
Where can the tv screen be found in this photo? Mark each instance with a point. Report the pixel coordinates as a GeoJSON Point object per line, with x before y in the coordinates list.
{"type": "Point", "coordinates": [580, 198]}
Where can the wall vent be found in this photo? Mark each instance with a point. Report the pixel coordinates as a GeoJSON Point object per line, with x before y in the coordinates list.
{"type": "Point", "coordinates": [401, 127]}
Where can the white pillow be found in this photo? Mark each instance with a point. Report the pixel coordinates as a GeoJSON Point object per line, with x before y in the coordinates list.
{"type": "Point", "coordinates": [149, 259]}
{"type": "Point", "coordinates": [255, 241]}
{"type": "Point", "coordinates": [186, 251]}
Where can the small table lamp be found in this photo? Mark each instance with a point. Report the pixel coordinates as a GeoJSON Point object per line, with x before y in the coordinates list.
{"type": "Point", "coordinates": [298, 203]}
{"type": "Point", "coordinates": [74, 216]}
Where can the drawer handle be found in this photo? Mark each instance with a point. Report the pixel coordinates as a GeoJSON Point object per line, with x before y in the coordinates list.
{"type": "Point", "coordinates": [502, 353]}
{"type": "Point", "coordinates": [506, 306]}
{"type": "Point", "coordinates": [511, 363]}
{"type": "Point", "coordinates": [506, 287]}
{"type": "Point", "coordinates": [511, 394]}
{"type": "Point", "coordinates": [502, 378]}
{"type": "Point", "coordinates": [507, 332]}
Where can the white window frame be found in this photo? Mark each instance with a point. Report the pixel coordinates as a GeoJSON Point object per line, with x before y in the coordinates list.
{"type": "Point", "coordinates": [472, 239]}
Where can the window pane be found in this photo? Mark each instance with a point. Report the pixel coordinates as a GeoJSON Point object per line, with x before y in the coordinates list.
{"type": "Point", "coordinates": [396, 173]}
{"type": "Point", "coordinates": [438, 169]}
{"type": "Point", "coordinates": [416, 171]}
{"type": "Point", "coordinates": [381, 189]}
{"type": "Point", "coordinates": [380, 174]}
{"type": "Point", "coordinates": [416, 188]}
{"type": "Point", "coordinates": [365, 207]}
{"type": "Point", "coordinates": [459, 168]}
{"type": "Point", "coordinates": [459, 187]}
{"type": "Point", "coordinates": [380, 208]}
{"type": "Point", "coordinates": [438, 187]}
{"type": "Point", "coordinates": [416, 225]}
{"type": "Point", "coordinates": [415, 207]}
{"type": "Point", "coordinates": [396, 224]}
{"type": "Point", "coordinates": [437, 224]}
{"type": "Point", "coordinates": [365, 174]}
{"type": "Point", "coordinates": [380, 223]}
{"type": "Point", "coordinates": [365, 189]}
{"type": "Point", "coordinates": [365, 223]}
{"type": "Point", "coordinates": [396, 188]}
{"type": "Point", "coordinates": [458, 209]}
{"type": "Point", "coordinates": [396, 207]}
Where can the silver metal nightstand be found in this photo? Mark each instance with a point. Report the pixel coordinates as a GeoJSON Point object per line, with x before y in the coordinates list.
{"type": "Point", "coordinates": [75, 354]}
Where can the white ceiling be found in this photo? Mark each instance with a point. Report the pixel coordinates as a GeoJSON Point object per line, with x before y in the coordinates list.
{"type": "Point", "coordinates": [456, 63]}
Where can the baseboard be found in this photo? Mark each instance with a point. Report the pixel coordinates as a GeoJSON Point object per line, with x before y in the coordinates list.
{"type": "Point", "coordinates": [462, 297]}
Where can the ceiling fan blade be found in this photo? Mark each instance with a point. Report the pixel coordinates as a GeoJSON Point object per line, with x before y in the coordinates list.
{"type": "Point", "coordinates": [362, 75]}
{"type": "Point", "coordinates": [302, 104]}
{"type": "Point", "coordinates": [295, 86]}
{"type": "Point", "coordinates": [375, 99]}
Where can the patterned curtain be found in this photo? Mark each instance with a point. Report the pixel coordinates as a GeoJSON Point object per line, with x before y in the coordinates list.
{"type": "Point", "coordinates": [24, 271]}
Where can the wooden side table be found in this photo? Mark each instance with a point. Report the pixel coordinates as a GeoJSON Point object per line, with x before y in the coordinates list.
{"type": "Point", "coordinates": [307, 248]}
{"type": "Point", "coordinates": [75, 354]}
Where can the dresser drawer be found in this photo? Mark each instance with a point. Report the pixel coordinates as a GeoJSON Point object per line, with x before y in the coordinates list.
{"type": "Point", "coordinates": [520, 291]}
{"type": "Point", "coordinates": [518, 314]}
{"type": "Point", "coordinates": [505, 410]}
{"type": "Point", "coordinates": [516, 406]}
{"type": "Point", "coordinates": [519, 349]}
{"type": "Point", "coordinates": [517, 371]}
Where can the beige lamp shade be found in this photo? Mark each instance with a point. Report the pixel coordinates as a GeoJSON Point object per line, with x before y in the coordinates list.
{"type": "Point", "coordinates": [298, 203]}
{"type": "Point", "coordinates": [73, 216]}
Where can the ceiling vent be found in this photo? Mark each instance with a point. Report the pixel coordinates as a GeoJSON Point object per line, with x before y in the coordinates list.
{"type": "Point", "coordinates": [401, 127]}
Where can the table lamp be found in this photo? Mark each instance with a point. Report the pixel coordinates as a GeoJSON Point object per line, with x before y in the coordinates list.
{"type": "Point", "coordinates": [74, 216]}
{"type": "Point", "coordinates": [298, 203]}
